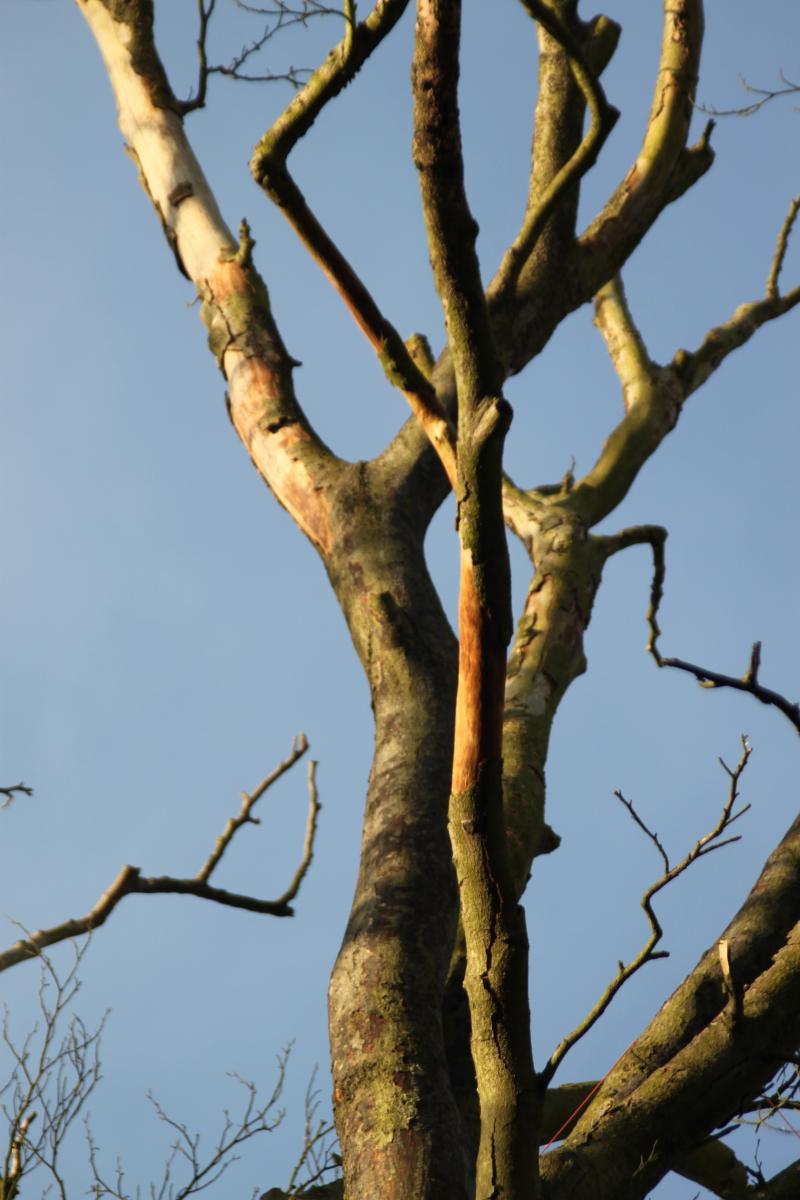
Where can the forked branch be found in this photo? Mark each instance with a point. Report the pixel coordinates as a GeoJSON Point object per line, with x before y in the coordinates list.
{"type": "Point", "coordinates": [130, 881]}
{"type": "Point", "coordinates": [764, 96]}
{"type": "Point", "coordinates": [780, 249]}
{"type": "Point", "coordinates": [748, 682]}
{"type": "Point", "coordinates": [694, 368]}
{"type": "Point", "coordinates": [713, 840]}
{"type": "Point", "coordinates": [205, 11]}
{"type": "Point", "coordinates": [203, 1169]}
{"type": "Point", "coordinates": [270, 171]}
{"type": "Point", "coordinates": [10, 792]}
{"type": "Point", "coordinates": [603, 119]}
{"type": "Point", "coordinates": [281, 16]}
{"type": "Point", "coordinates": [654, 395]}
{"type": "Point", "coordinates": [393, 355]}
{"type": "Point", "coordinates": [245, 814]}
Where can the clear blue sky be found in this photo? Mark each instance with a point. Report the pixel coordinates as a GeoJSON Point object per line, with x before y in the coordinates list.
{"type": "Point", "coordinates": [166, 630]}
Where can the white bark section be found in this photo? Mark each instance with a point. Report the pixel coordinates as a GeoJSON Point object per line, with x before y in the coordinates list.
{"type": "Point", "coordinates": [171, 172]}
{"type": "Point", "coordinates": [263, 411]}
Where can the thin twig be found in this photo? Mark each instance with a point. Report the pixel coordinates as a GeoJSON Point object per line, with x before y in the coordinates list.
{"type": "Point", "coordinates": [283, 17]}
{"type": "Point", "coordinates": [269, 169]}
{"type": "Point", "coordinates": [749, 682]}
{"type": "Point", "coordinates": [603, 119]}
{"type": "Point", "coordinates": [765, 96]}
{"type": "Point", "coordinates": [318, 1155]}
{"type": "Point", "coordinates": [712, 840]}
{"type": "Point", "coordinates": [244, 816]}
{"type": "Point", "coordinates": [393, 355]}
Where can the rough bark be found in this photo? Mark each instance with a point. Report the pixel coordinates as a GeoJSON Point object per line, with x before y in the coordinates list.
{"type": "Point", "coordinates": [396, 1117]}
{"type": "Point", "coordinates": [418, 1115]}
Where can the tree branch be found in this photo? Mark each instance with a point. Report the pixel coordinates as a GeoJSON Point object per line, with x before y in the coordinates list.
{"type": "Point", "coordinates": [130, 881]}
{"type": "Point", "coordinates": [780, 249]}
{"type": "Point", "coordinates": [10, 792]}
{"type": "Point", "coordinates": [450, 226]}
{"type": "Point", "coordinates": [234, 302]}
{"type": "Point", "coordinates": [283, 16]}
{"type": "Point", "coordinates": [652, 398]}
{"type": "Point", "coordinates": [698, 1063]}
{"type": "Point", "coordinates": [765, 96]}
{"type": "Point", "coordinates": [202, 1172]}
{"type": "Point", "coordinates": [694, 368]}
{"type": "Point", "coordinates": [717, 1064]}
{"type": "Point", "coordinates": [603, 119]}
{"type": "Point", "coordinates": [205, 11]}
{"type": "Point", "coordinates": [269, 169]}
{"type": "Point", "coordinates": [783, 1186]}
{"type": "Point", "coordinates": [494, 925]}
{"type": "Point", "coordinates": [244, 816]}
{"type": "Point", "coordinates": [749, 682]}
{"type": "Point", "coordinates": [626, 348]}
{"type": "Point", "coordinates": [53, 1075]}
{"type": "Point", "coordinates": [713, 840]}
{"type": "Point", "coordinates": [715, 1167]}
{"type": "Point", "coordinates": [397, 362]}
{"type": "Point", "coordinates": [646, 188]}
{"type": "Point", "coordinates": [653, 395]}
{"type": "Point", "coordinates": [339, 68]}
{"type": "Point", "coordinates": [746, 683]}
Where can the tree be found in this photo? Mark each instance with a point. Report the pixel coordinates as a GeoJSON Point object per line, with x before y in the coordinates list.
{"type": "Point", "coordinates": [412, 1118]}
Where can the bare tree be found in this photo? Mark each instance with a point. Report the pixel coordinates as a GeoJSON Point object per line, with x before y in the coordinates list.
{"type": "Point", "coordinates": [435, 1089]}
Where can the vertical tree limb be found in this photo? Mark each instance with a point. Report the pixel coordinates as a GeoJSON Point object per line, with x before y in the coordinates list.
{"type": "Point", "coordinates": [494, 925]}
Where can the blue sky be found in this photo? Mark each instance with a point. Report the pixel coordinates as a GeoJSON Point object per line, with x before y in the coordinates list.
{"type": "Point", "coordinates": [166, 630]}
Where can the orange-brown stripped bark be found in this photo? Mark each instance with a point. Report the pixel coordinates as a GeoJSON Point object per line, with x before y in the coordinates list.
{"type": "Point", "coordinates": [481, 676]}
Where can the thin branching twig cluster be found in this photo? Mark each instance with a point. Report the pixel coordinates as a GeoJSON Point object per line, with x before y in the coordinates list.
{"type": "Point", "coordinates": [319, 1161]}
{"type": "Point", "coordinates": [202, 1170]}
{"type": "Point", "coordinates": [53, 1073]}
